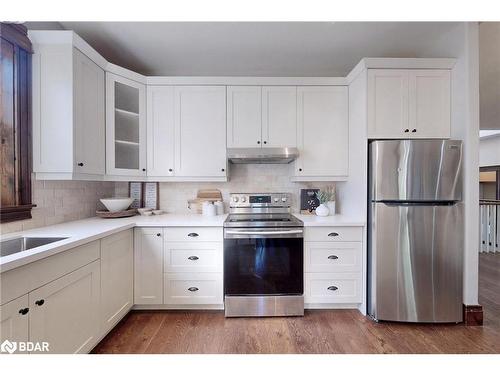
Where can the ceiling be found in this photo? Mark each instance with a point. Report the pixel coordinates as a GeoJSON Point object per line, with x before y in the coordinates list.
{"type": "Point", "coordinates": [250, 48]}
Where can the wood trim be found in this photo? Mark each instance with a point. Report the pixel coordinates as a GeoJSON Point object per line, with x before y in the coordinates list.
{"type": "Point", "coordinates": [14, 213]}
{"type": "Point", "coordinates": [473, 315]}
{"type": "Point", "coordinates": [16, 34]}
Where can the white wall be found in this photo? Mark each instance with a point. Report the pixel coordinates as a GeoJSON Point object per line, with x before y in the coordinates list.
{"type": "Point", "coordinates": [489, 74]}
{"type": "Point", "coordinates": [489, 151]}
{"type": "Point", "coordinates": [462, 42]}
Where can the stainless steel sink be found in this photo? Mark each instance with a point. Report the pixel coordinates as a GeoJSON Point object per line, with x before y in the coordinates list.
{"type": "Point", "coordinates": [16, 245]}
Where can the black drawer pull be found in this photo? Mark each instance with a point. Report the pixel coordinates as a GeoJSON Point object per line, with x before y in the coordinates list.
{"type": "Point", "coordinates": [333, 234]}
{"type": "Point", "coordinates": [332, 287]}
{"type": "Point", "coordinates": [193, 289]}
{"type": "Point", "coordinates": [24, 311]}
{"type": "Point", "coordinates": [80, 164]}
{"type": "Point", "coordinates": [407, 130]}
{"type": "Point", "coordinates": [193, 257]}
{"type": "Point", "coordinates": [158, 234]}
{"type": "Point", "coordinates": [333, 257]}
{"type": "Point", "coordinates": [40, 302]}
{"type": "Point", "coordinates": [193, 235]}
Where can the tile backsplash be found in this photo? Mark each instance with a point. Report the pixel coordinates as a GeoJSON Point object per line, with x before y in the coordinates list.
{"type": "Point", "coordinates": [244, 178]}
{"type": "Point", "coordinates": [60, 201]}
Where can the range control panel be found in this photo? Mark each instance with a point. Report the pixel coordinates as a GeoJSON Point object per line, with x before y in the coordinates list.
{"type": "Point", "coordinates": [260, 200]}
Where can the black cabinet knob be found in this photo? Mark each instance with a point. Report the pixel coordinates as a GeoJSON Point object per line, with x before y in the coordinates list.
{"type": "Point", "coordinates": [144, 169]}
{"type": "Point", "coordinates": [40, 302]}
{"type": "Point", "coordinates": [222, 169]}
{"type": "Point", "coordinates": [332, 287]}
{"type": "Point", "coordinates": [193, 235]}
{"type": "Point", "coordinates": [158, 234]}
{"type": "Point", "coordinates": [333, 257]}
{"type": "Point", "coordinates": [300, 169]}
{"type": "Point", "coordinates": [193, 289]}
{"type": "Point", "coordinates": [80, 164]}
{"type": "Point", "coordinates": [407, 130]}
{"type": "Point", "coordinates": [193, 257]}
{"type": "Point", "coordinates": [265, 142]}
{"type": "Point", "coordinates": [333, 234]}
{"type": "Point", "coordinates": [24, 311]}
{"type": "Point", "coordinates": [258, 142]}
{"type": "Point", "coordinates": [170, 169]}
{"type": "Point", "coordinates": [414, 131]}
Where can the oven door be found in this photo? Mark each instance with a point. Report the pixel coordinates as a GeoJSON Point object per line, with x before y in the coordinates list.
{"type": "Point", "coordinates": [264, 261]}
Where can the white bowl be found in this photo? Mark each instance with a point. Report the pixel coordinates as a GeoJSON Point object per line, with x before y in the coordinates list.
{"type": "Point", "coordinates": [117, 204]}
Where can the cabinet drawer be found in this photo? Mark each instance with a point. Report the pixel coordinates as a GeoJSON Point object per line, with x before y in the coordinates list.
{"type": "Point", "coordinates": [333, 234]}
{"type": "Point", "coordinates": [332, 256]}
{"type": "Point", "coordinates": [193, 256]}
{"type": "Point", "coordinates": [193, 288]}
{"type": "Point", "coordinates": [332, 288]}
{"type": "Point", "coordinates": [193, 234]}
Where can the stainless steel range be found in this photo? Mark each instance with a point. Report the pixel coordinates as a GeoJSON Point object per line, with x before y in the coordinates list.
{"type": "Point", "coordinates": [263, 257]}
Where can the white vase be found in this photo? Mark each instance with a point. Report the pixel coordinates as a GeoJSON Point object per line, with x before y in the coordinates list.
{"type": "Point", "coordinates": [331, 207]}
{"type": "Point", "coordinates": [322, 210]}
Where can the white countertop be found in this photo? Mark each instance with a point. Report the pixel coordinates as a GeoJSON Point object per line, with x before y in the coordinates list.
{"type": "Point", "coordinates": [84, 231]}
{"type": "Point", "coordinates": [80, 232]}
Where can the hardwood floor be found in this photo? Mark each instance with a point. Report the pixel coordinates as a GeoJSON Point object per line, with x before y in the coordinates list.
{"type": "Point", "coordinates": [319, 331]}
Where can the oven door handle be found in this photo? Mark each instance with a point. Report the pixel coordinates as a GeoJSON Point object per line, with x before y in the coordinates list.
{"type": "Point", "coordinates": [264, 233]}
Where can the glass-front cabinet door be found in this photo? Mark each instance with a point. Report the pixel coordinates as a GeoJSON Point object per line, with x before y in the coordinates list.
{"type": "Point", "coordinates": [125, 126]}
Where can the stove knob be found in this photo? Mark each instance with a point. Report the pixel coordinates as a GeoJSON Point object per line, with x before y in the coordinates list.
{"type": "Point", "coordinates": [283, 199]}
{"type": "Point", "coordinates": [235, 199]}
{"type": "Point", "coordinates": [243, 199]}
{"type": "Point", "coordinates": [276, 199]}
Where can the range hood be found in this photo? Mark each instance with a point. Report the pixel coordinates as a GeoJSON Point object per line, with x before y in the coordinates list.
{"type": "Point", "coordinates": [271, 155]}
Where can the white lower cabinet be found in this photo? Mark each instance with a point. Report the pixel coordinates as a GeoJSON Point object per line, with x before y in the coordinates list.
{"type": "Point", "coordinates": [14, 317]}
{"type": "Point", "coordinates": [333, 266]}
{"type": "Point", "coordinates": [117, 278]}
{"type": "Point", "coordinates": [148, 266]}
{"type": "Point", "coordinates": [193, 267]}
{"type": "Point", "coordinates": [190, 288]}
{"type": "Point", "coordinates": [65, 312]}
{"type": "Point", "coordinates": [332, 288]}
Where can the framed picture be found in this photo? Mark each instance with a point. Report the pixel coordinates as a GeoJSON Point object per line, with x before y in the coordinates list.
{"type": "Point", "coordinates": [150, 195]}
{"type": "Point", "coordinates": [135, 192]}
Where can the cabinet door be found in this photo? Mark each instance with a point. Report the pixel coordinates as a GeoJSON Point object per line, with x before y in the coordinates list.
{"type": "Point", "coordinates": [200, 127]}
{"type": "Point", "coordinates": [429, 103]}
{"type": "Point", "coordinates": [160, 131]}
{"type": "Point", "coordinates": [388, 103]}
{"type": "Point", "coordinates": [65, 312]}
{"type": "Point", "coordinates": [148, 266]}
{"type": "Point", "coordinates": [244, 116]}
{"type": "Point", "coordinates": [125, 126]}
{"type": "Point", "coordinates": [88, 102]}
{"type": "Point", "coordinates": [323, 137]}
{"type": "Point", "coordinates": [279, 116]}
{"type": "Point", "coordinates": [14, 320]}
{"type": "Point", "coordinates": [117, 278]}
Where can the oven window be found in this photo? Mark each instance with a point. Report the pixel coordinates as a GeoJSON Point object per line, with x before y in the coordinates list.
{"type": "Point", "coordinates": [263, 266]}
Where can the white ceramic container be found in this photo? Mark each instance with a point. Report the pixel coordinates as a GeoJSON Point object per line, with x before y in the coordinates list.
{"type": "Point", "coordinates": [117, 204]}
{"type": "Point", "coordinates": [322, 210]}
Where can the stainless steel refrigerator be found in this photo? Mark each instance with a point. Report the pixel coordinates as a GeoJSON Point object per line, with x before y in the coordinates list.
{"type": "Point", "coordinates": [415, 231]}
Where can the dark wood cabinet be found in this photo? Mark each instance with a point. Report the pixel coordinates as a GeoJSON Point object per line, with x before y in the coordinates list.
{"type": "Point", "coordinates": [15, 123]}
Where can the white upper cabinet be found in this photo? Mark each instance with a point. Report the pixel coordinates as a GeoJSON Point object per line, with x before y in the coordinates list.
{"type": "Point", "coordinates": [323, 133]}
{"type": "Point", "coordinates": [279, 120]}
{"type": "Point", "coordinates": [125, 127]}
{"type": "Point", "coordinates": [244, 116]}
{"type": "Point", "coordinates": [429, 103]}
{"type": "Point", "coordinates": [261, 116]}
{"type": "Point", "coordinates": [408, 103]}
{"type": "Point", "coordinates": [68, 114]}
{"type": "Point", "coordinates": [200, 131]}
{"type": "Point", "coordinates": [160, 131]}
